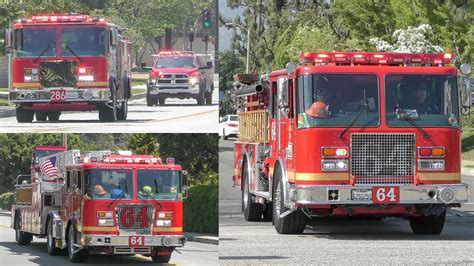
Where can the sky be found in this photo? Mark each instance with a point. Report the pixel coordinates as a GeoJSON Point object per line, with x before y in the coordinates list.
{"type": "Point", "coordinates": [225, 34]}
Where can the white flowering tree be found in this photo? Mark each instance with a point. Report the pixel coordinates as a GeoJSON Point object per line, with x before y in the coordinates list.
{"type": "Point", "coordinates": [411, 40]}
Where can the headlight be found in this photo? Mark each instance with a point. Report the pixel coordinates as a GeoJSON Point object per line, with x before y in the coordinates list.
{"type": "Point", "coordinates": [104, 214]}
{"type": "Point", "coordinates": [167, 215]}
{"type": "Point", "coordinates": [106, 222]}
{"type": "Point", "coordinates": [334, 165]}
{"type": "Point", "coordinates": [31, 74]}
{"type": "Point", "coordinates": [193, 80]}
{"type": "Point", "coordinates": [163, 222]}
{"type": "Point", "coordinates": [86, 78]}
{"type": "Point", "coordinates": [152, 81]}
{"type": "Point", "coordinates": [431, 165]}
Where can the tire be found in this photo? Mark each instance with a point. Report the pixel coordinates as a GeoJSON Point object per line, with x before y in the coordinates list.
{"type": "Point", "coordinates": [224, 137]}
{"type": "Point", "coordinates": [161, 100]}
{"type": "Point", "coordinates": [268, 212]}
{"type": "Point", "coordinates": [208, 96]}
{"type": "Point", "coordinates": [78, 256]}
{"type": "Point", "coordinates": [54, 116]}
{"type": "Point", "coordinates": [150, 101]}
{"type": "Point", "coordinates": [428, 225]}
{"type": "Point", "coordinates": [122, 113]}
{"type": "Point", "coordinates": [41, 116]}
{"type": "Point", "coordinates": [50, 241]}
{"type": "Point", "coordinates": [161, 259]}
{"type": "Point", "coordinates": [293, 223]}
{"type": "Point", "coordinates": [252, 211]}
{"type": "Point", "coordinates": [107, 114]}
{"type": "Point", "coordinates": [22, 238]}
{"type": "Point", "coordinates": [23, 115]}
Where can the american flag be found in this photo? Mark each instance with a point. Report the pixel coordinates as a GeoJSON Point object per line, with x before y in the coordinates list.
{"type": "Point", "coordinates": [49, 167]}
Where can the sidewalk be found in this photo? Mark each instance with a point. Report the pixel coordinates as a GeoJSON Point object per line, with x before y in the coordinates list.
{"type": "Point", "coordinates": [467, 167]}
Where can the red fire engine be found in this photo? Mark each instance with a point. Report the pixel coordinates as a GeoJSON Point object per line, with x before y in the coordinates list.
{"type": "Point", "coordinates": [68, 63]}
{"type": "Point", "coordinates": [101, 203]}
{"type": "Point", "coordinates": [352, 134]}
{"type": "Point", "coordinates": [180, 75]}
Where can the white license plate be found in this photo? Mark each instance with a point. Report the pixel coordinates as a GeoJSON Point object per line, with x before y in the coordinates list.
{"type": "Point", "coordinates": [72, 95]}
{"type": "Point", "coordinates": [361, 194]}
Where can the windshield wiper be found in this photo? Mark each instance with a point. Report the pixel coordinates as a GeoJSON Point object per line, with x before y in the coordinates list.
{"type": "Point", "coordinates": [74, 53]}
{"type": "Point", "coordinates": [340, 135]}
{"type": "Point", "coordinates": [43, 52]}
{"type": "Point", "coordinates": [402, 114]}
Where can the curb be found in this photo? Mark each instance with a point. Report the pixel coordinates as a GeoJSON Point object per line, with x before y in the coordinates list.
{"type": "Point", "coordinates": [206, 239]}
{"type": "Point", "coordinates": [467, 171]}
{"type": "Point", "coordinates": [138, 96]}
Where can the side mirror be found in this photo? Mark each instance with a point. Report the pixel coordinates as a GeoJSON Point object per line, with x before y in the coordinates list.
{"type": "Point", "coordinates": [8, 41]}
{"type": "Point", "coordinates": [209, 65]}
{"type": "Point", "coordinates": [282, 85]}
{"type": "Point", "coordinates": [466, 96]}
{"type": "Point", "coordinates": [184, 184]}
{"type": "Point", "coordinates": [143, 65]}
{"type": "Point", "coordinates": [114, 37]}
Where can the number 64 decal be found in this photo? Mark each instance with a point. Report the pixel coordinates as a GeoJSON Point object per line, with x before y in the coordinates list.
{"type": "Point", "coordinates": [386, 194]}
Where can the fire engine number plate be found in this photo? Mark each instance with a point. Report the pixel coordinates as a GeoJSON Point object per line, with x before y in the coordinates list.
{"type": "Point", "coordinates": [135, 241]}
{"type": "Point", "coordinates": [361, 194]}
{"type": "Point", "coordinates": [386, 194]}
{"type": "Point", "coordinates": [58, 95]}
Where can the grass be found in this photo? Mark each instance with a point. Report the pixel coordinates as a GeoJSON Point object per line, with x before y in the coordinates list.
{"type": "Point", "coordinates": [467, 144]}
{"type": "Point", "coordinates": [137, 91]}
{"type": "Point", "coordinates": [4, 89]}
{"type": "Point", "coordinates": [4, 102]}
{"type": "Point", "coordinates": [136, 82]}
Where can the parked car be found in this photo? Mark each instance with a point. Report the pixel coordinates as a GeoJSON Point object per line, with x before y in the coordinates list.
{"type": "Point", "coordinates": [229, 126]}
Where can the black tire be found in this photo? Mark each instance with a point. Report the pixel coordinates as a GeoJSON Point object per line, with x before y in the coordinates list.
{"type": "Point", "coordinates": [23, 115]}
{"type": "Point", "coordinates": [161, 100]}
{"type": "Point", "coordinates": [268, 212]}
{"type": "Point", "coordinates": [252, 211]}
{"type": "Point", "coordinates": [150, 101]}
{"type": "Point", "coordinates": [161, 259]}
{"type": "Point", "coordinates": [54, 116]}
{"type": "Point", "coordinates": [208, 96]}
{"type": "Point", "coordinates": [428, 225]}
{"type": "Point", "coordinates": [50, 240]}
{"type": "Point", "coordinates": [74, 255]}
{"type": "Point", "coordinates": [224, 137]}
{"type": "Point", "coordinates": [41, 116]}
{"type": "Point", "coordinates": [22, 238]}
{"type": "Point", "coordinates": [122, 112]}
{"type": "Point", "coordinates": [107, 114]}
{"type": "Point", "coordinates": [293, 223]}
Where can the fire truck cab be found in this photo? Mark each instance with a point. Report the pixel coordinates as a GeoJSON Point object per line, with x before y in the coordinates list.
{"type": "Point", "coordinates": [101, 203]}
{"type": "Point", "coordinates": [180, 75]}
{"type": "Point", "coordinates": [65, 62]}
{"type": "Point", "coordinates": [367, 134]}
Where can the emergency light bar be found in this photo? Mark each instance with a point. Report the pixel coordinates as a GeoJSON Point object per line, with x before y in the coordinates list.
{"type": "Point", "coordinates": [175, 53]}
{"type": "Point", "coordinates": [134, 159]}
{"type": "Point", "coordinates": [374, 58]}
{"type": "Point", "coordinates": [59, 18]}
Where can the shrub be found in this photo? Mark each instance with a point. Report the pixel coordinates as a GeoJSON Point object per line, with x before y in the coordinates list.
{"type": "Point", "coordinates": [201, 209]}
{"type": "Point", "coordinates": [6, 200]}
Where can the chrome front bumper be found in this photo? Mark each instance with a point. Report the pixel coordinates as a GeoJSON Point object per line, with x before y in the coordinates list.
{"type": "Point", "coordinates": [150, 241]}
{"type": "Point", "coordinates": [72, 95]}
{"type": "Point", "coordinates": [173, 89]}
{"type": "Point", "coordinates": [342, 194]}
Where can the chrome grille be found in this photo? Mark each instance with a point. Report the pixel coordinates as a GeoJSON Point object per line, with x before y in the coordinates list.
{"type": "Point", "coordinates": [383, 158]}
{"type": "Point", "coordinates": [174, 79]}
{"type": "Point", "coordinates": [135, 218]}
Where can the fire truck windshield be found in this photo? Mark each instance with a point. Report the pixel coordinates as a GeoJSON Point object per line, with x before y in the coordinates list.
{"type": "Point", "coordinates": [84, 41]}
{"type": "Point", "coordinates": [109, 183]}
{"type": "Point", "coordinates": [43, 153]}
{"type": "Point", "coordinates": [175, 62]}
{"type": "Point", "coordinates": [32, 42]}
{"type": "Point", "coordinates": [157, 184]}
{"type": "Point", "coordinates": [429, 100]}
{"type": "Point", "coordinates": [334, 100]}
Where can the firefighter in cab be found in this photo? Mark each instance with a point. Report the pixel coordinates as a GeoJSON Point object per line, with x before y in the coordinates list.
{"type": "Point", "coordinates": [319, 108]}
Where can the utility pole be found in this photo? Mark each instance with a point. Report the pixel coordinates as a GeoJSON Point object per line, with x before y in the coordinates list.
{"type": "Point", "coordinates": [64, 140]}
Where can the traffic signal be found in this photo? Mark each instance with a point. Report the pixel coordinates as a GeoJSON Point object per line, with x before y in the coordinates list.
{"type": "Point", "coordinates": [206, 19]}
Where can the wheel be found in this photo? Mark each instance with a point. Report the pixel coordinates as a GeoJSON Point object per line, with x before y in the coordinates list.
{"type": "Point", "coordinates": [161, 259]}
{"type": "Point", "coordinates": [22, 238]}
{"type": "Point", "coordinates": [54, 116]}
{"type": "Point", "coordinates": [161, 100]}
{"type": "Point", "coordinates": [41, 115]}
{"type": "Point", "coordinates": [252, 211]}
{"type": "Point", "coordinates": [107, 114]}
{"type": "Point", "coordinates": [23, 115]}
{"type": "Point", "coordinates": [50, 241]}
{"type": "Point", "coordinates": [208, 97]}
{"type": "Point", "coordinates": [293, 223]}
{"type": "Point", "coordinates": [150, 101]}
{"type": "Point", "coordinates": [224, 137]}
{"type": "Point", "coordinates": [268, 212]}
{"type": "Point", "coordinates": [428, 225]}
{"type": "Point", "coordinates": [73, 249]}
{"type": "Point", "coordinates": [122, 112]}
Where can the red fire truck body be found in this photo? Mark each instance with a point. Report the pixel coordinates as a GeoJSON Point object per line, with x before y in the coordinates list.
{"type": "Point", "coordinates": [65, 62]}
{"type": "Point", "coordinates": [101, 203]}
{"type": "Point", "coordinates": [369, 150]}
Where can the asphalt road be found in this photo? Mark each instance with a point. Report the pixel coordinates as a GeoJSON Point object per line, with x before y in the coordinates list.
{"type": "Point", "coordinates": [36, 253]}
{"type": "Point", "coordinates": [337, 241]}
{"type": "Point", "coordinates": [183, 116]}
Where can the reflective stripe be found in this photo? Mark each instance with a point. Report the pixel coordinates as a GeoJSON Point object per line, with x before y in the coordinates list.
{"type": "Point", "coordinates": [440, 176]}
{"type": "Point", "coordinates": [99, 228]}
{"type": "Point", "coordinates": [26, 85]}
{"type": "Point", "coordinates": [167, 229]}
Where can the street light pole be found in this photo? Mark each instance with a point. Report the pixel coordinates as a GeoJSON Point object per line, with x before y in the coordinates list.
{"type": "Point", "coordinates": [247, 67]}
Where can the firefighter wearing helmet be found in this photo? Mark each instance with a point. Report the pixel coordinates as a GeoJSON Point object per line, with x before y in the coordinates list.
{"type": "Point", "coordinates": [319, 108]}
